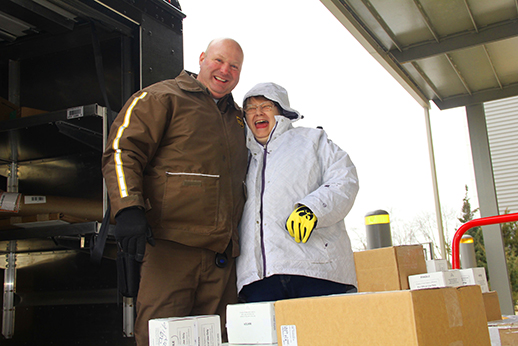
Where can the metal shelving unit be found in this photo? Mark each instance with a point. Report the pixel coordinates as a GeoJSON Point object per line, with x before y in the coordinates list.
{"type": "Point", "coordinates": [58, 56]}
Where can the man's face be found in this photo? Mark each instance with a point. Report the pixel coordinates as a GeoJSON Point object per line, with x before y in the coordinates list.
{"type": "Point", "coordinates": [220, 67]}
{"type": "Point", "coordinates": [260, 116]}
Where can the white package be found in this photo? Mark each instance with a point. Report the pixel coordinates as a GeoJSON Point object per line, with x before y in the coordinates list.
{"type": "Point", "coordinates": [185, 331]}
{"type": "Point", "coordinates": [475, 276]}
{"type": "Point", "coordinates": [436, 265]}
{"type": "Point", "coordinates": [251, 323]}
{"type": "Point", "coordinates": [450, 278]}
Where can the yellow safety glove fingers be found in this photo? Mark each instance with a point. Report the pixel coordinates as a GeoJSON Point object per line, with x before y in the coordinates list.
{"type": "Point", "coordinates": [301, 223]}
{"type": "Point", "coordinates": [290, 224]}
{"type": "Point", "coordinates": [306, 228]}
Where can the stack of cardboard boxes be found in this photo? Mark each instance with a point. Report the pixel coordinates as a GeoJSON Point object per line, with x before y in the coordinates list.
{"type": "Point", "coordinates": [385, 311]}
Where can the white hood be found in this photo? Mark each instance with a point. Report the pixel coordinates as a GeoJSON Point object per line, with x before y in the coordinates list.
{"type": "Point", "coordinates": [276, 93]}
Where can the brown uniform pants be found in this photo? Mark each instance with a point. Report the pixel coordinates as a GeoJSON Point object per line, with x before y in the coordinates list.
{"type": "Point", "coordinates": [177, 280]}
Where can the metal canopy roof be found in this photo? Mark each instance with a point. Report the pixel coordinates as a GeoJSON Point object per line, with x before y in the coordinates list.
{"type": "Point", "coordinates": [453, 52]}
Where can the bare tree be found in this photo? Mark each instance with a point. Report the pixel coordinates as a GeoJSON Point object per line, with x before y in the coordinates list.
{"type": "Point", "coordinates": [423, 229]}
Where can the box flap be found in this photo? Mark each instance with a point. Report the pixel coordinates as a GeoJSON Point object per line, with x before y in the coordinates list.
{"type": "Point", "coordinates": [411, 261]}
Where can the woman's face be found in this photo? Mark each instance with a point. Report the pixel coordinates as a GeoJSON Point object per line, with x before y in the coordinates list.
{"type": "Point", "coordinates": [260, 117]}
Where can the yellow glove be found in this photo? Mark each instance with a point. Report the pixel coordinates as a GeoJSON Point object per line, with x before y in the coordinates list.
{"type": "Point", "coordinates": [301, 223]}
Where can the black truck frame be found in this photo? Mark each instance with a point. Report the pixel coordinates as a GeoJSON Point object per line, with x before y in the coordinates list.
{"type": "Point", "coordinates": [77, 62]}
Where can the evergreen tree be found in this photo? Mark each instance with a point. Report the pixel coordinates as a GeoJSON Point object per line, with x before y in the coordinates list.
{"type": "Point", "coordinates": [475, 232]}
{"type": "Point", "coordinates": [510, 235]}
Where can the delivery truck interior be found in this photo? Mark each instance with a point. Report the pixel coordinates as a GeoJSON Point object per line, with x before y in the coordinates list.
{"type": "Point", "coordinates": [65, 65]}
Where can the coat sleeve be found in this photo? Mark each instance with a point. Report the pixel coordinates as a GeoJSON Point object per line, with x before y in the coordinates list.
{"type": "Point", "coordinates": [334, 198]}
{"type": "Point", "coordinates": [132, 142]}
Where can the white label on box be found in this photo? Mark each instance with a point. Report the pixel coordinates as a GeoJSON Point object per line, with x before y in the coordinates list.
{"type": "Point", "coordinates": [34, 199]}
{"type": "Point", "coordinates": [209, 330]}
{"type": "Point", "coordinates": [451, 278]}
{"type": "Point", "coordinates": [173, 331]}
{"type": "Point", "coordinates": [289, 335]}
{"type": "Point", "coordinates": [475, 276]}
{"type": "Point", "coordinates": [9, 201]}
{"type": "Point", "coordinates": [436, 265]}
{"type": "Point", "coordinates": [75, 112]}
{"type": "Point", "coordinates": [494, 335]}
{"type": "Point", "coordinates": [185, 337]}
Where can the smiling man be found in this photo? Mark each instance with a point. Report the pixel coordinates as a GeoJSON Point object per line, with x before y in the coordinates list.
{"type": "Point", "coordinates": [220, 67]}
{"type": "Point", "coordinates": [174, 167]}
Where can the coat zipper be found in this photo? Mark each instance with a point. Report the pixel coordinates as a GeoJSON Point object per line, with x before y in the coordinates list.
{"type": "Point", "coordinates": [263, 183]}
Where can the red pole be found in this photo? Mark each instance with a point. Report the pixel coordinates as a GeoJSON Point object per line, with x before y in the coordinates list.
{"type": "Point", "coordinates": [483, 221]}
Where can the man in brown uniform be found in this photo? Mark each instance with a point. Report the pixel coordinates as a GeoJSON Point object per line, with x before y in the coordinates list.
{"type": "Point", "coordinates": [174, 166]}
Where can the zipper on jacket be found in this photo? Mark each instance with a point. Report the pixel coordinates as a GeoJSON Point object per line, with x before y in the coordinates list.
{"type": "Point", "coordinates": [263, 183]}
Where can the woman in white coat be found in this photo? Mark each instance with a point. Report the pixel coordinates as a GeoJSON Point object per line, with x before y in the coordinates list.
{"type": "Point", "coordinates": [300, 187]}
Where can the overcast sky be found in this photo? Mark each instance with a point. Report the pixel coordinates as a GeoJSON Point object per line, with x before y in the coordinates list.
{"type": "Point", "coordinates": [334, 82]}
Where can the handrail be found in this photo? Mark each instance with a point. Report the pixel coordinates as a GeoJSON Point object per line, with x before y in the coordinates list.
{"type": "Point", "coordinates": [483, 221]}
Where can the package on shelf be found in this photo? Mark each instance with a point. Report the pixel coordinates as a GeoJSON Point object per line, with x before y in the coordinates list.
{"type": "Point", "coordinates": [6, 109]}
{"type": "Point", "coordinates": [251, 323]}
{"type": "Point", "coordinates": [9, 110]}
{"type": "Point", "coordinates": [387, 269]}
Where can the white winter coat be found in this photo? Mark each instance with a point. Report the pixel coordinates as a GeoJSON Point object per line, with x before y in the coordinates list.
{"type": "Point", "coordinates": [301, 166]}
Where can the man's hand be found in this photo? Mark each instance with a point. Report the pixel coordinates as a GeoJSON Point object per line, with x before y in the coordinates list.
{"type": "Point", "coordinates": [132, 231]}
{"type": "Point", "coordinates": [301, 223]}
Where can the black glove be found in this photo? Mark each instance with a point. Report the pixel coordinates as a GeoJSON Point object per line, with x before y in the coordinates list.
{"type": "Point", "coordinates": [132, 231]}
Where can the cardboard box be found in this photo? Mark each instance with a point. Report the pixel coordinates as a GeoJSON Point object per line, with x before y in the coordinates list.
{"type": "Point", "coordinates": [9, 110]}
{"type": "Point", "coordinates": [387, 269]}
{"type": "Point", "coordinates": [492, 305]}
{"type": "Point", "coordinates": [504, 332]}
{"type": "Point", "coordinates": [6, 108]}
{"type": "Point", "coordinates": [430, 317]}
{"type": "Point", "coordinates": [26, 112]}
{"type": "Point", "coordinates": [252, 323]}
{"type": "Point", "coordinates": [450, 278]}
{"type": "Point", "coordinates": [189, 331]}
{"type": "Point", "coordinates": [436, 265]}
{"type": "Point", "coordinates": [39, 220]}
{"type": "Point", "coordinates": [475, 276]}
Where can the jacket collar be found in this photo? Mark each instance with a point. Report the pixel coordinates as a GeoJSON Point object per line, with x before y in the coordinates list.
{"type": "Point", "coordinates": [187, 81]}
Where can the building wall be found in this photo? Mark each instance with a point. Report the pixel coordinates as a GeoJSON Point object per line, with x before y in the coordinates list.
{"type": "Point", "coordinates": [502, 127]}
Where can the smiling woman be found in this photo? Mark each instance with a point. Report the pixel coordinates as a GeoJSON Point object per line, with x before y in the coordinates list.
{"type": "Point", "coordinates": [300, 185]}
{"type": "Point", "coordinates": [260, 117]}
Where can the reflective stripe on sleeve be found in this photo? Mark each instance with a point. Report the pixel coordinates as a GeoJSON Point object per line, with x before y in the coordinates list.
{"type": "Point", "coordinates": [119, 166]}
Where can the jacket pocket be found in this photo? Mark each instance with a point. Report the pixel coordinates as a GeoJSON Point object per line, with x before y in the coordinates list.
{"type": "Point", "coordinates": [191, 202]}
